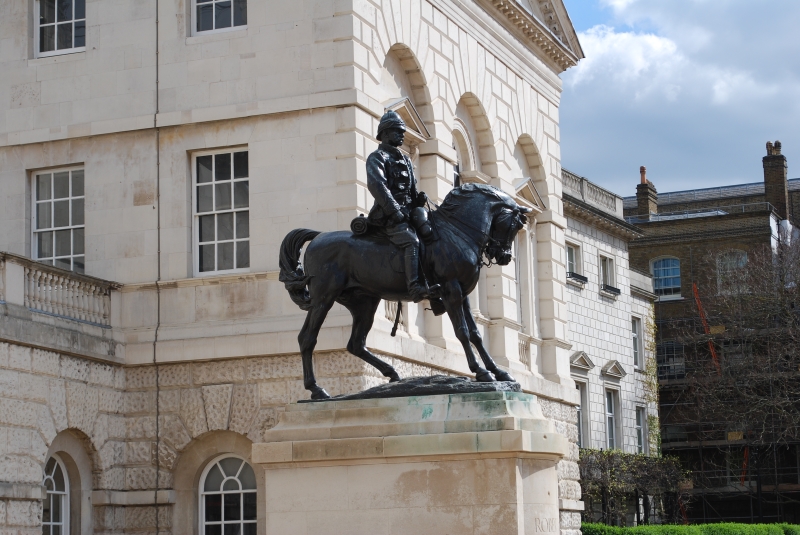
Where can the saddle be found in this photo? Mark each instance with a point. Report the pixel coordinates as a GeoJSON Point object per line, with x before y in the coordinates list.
{"type": "Point", "coordinates": [362, 228]}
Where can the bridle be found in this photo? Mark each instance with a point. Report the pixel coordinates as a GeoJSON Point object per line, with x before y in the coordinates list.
{"type": "Point", "coordinates": [492, 244]}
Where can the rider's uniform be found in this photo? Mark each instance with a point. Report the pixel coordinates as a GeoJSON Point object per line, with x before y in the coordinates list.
{"type": "Point", "coordinates": [390, 179]}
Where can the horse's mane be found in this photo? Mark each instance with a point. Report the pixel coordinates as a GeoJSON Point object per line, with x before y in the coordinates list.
{"type": "Point", "coordinates": [469, 195]}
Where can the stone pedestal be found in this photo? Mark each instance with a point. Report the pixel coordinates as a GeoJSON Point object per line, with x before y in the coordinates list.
{"type": "Point", "coordinates": [481, 463]}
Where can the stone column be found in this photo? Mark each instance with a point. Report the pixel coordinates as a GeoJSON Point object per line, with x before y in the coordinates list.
{"type": "Point", "coordinates": [435, 176]}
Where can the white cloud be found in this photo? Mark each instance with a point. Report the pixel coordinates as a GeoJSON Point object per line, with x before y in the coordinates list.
{"type": "Point", "coordinates": [663, 78]}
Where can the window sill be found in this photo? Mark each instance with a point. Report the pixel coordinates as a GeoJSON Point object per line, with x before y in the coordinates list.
{"type": "Point", "coordinates": [208, 274]}
{"type": "Point", "coordinates": [609, 295]}
{"type": "Point", "coordinates": [665, 298]}
{"type": "Point", "coordinates": [576, 283]}
{"type": "Point", "coordinates": [76, 54]}
{"type": "Point", "coordinates": [217, 35]}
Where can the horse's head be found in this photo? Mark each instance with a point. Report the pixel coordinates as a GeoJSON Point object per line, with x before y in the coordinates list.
{"type": "Point", "coordinates": [491, 214]}
{"type": "Point", "coordinates": [508, 221]}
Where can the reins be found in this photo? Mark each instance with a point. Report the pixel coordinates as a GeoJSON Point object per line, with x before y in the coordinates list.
{"type": "Point", "coordinates": [489, 239]}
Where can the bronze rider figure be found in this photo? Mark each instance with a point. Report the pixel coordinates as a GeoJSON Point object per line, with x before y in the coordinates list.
{"type": "Point", "coordinates": [391, 181]}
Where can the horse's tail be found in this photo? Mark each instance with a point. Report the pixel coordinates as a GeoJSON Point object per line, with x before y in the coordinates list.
{"type": "Point", "coordinates": [292, 275]}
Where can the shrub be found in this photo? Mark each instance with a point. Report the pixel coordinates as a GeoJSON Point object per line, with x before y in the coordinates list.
{"type": "Point", "coordinates": [730, 528]}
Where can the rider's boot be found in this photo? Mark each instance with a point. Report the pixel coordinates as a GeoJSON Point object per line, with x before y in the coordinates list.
{"type": "Point", "coordinates": [417, 291]}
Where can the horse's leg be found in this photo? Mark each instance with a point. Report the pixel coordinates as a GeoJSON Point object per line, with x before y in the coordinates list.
{"type": "Point", "coordinates": [453, 299]}
{"type": "Point", "coordinates": [477, 341]}
{"type": "Point", "coordinates": [308, 340]}
{"type": "Point", "coordinates": [363, 311]}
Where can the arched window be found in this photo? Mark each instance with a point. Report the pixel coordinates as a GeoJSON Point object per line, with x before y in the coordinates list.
{"type": "Point", "coordinates": [730, 275]}
{"type": "Point", "coordinates": [55, 513]}
{"type": "Point", "coordinates": [228, 497]}
{"type": "Point", "coordinates": [667, 277]}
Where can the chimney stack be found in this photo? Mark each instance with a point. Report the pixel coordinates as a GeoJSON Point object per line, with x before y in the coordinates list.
{"type": "Point", "coordinates": [646, 195]}
{"type": "Point", "coordinates": [776, 187]}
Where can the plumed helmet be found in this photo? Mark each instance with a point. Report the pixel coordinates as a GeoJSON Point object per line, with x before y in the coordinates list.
{"type": "Point", "coordinates": [389, 120]}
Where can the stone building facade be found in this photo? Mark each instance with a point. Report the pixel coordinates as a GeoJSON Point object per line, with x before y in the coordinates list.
{"type": "Point", "coordinates": [611, 323]}
{"type": "Point", "coordinates": [684, 237]}
{"type": "Point", "coordinates": [116, 119]}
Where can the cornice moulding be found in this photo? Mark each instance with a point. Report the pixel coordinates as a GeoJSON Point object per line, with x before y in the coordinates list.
{"type": "Point", "coordinates": [536, 32]}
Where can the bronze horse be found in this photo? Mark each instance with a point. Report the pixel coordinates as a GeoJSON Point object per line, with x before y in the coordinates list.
{"type": "Point", "coordinates": [473, 221]}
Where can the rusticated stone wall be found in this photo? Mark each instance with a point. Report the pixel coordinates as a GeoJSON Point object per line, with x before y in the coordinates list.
{"type": "Point", "coordinates": [114, 410]}
{"type": "Point", "coordinates": [565, 418]}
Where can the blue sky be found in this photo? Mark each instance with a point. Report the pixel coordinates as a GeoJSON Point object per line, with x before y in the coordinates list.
{"type": "Point", "coordinates": [692, 89]}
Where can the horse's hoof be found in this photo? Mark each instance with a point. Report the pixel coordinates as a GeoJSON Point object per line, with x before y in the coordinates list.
{"type": "Point", "coordinates": [503, 375]}
{"type": "Point", "coordinates": [484, 376]}
{"type": "Point", "coordinates": [317, 392]}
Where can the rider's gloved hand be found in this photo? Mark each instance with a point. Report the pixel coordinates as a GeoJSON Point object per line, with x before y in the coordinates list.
{"type": "Point", "coordinates": [422, 198]}
{"type": "Point", "coordinates": [396, 218]}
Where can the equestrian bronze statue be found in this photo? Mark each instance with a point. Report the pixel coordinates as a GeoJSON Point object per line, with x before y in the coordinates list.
{"type": "Point", "coordinates": [383, 258]}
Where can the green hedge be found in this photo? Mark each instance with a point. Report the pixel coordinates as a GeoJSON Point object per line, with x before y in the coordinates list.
{"type": "Point", "coordinates": [698, 529]}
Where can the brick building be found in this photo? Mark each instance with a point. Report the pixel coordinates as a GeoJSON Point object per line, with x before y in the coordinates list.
{"type": "Point", "coordinates": [681, 231]}
{"type": "Point", "coordinates": [124, 404]}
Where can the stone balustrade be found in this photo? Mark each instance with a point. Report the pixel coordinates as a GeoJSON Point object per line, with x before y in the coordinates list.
{"type": "Point", "coordinates": [590, 193]}
{"type": "Point", "coordinates": [55, 291]}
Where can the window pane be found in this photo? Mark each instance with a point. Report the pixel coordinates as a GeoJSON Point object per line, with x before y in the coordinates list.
{"type": "Point", "coordinates": [77, 211]}
{"type": "Point", "coordinates": [222, 196]}
{"type": "Point", "coordinates": [63, 242]}
{"type": "Point", "coordinates": [213, 507]}
{"type": "Point", "coordinates": [45, 244]}
{"type": "Point", "coordinates": [78, 265]}
{"type": "Point", "coordinates": [241, 194]}
{"type": "Point", "coordinates": [204, 199]}
{"type": "Point", "coordinates": [64, 10]}
{"type": "Point", "coordinates": [214, 477]}
{"type": "Point", "coordinates": [77, 241]}
{"type": "Point", "coordinates": [250, 529]}
{"type": "Point", "coordinates": [214, 530]}
{"type": "Point", "coordinates": [225, 229]}
{"type": "Point", "coordinates": [43, 219]}
{"type": "Point", "coordinates": [231, 484]}
{"type": "Point", "coordinates": [232, 507]}
{"type": "Point", "coordinates": [46, 511]}
{"type": "Point", "coordinates": [47, 11]}
{"type": "Point", "coordinates": [222, 171]}
{"type": "Point", "coordinates": [55, 513]}
{"type": "Point", "coordinates": [207, 234]}
{"type": "Point", "coordinates": [205, 18]}
{"type": "Point", "coordinates": [207, 259]}
{"type": "Point", "coordinates": [231, 466]}
{"type": "Point", "coordinates": [80, 34]}
{"type": "Point", "coordinates": [249, 506]}
{"type": "Point", "coordinates": [56, 530]}
{"type": "Point", "coordinates": [242, 254]}
{"type": "Point", "coordinates": [64, 36]}
{"type": "Point", "coordinates": [77, 183]}
{"type": "Point", "coordinates": [47, 38]}
{"type": "Point", "coordinates": [225, 253]}
{"type": "Point", "coordinates": [223, 13]}
{"type": "Point", "coordinates": [240, 164]}
{"type": "Point", "coordinates": [232, 529]}
{"type": "Point", "coordinates": [61, 185]}
{"type": "Point", "coordinates": [63, 263]}
{"type": "Point", "coordinates": [43, 187]}
{"type": "Point", "coordinates": [242, 225]}
{"type": "Point", "coordinates": [248, 479]}
{"type": "Point", "coordinates": [61, 214]}
{"type": "Point", "coordinates": [80, 9]}
{"type": "Point", "coordinates": [203, 169]}
{"type": "Point", "coordinates": [239, 12]}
